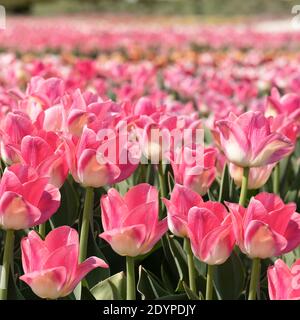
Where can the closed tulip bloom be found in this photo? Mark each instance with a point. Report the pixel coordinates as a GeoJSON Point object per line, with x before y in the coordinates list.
{"type": "Point", "coordinates": [267, 228]}
{"type": "Point", "coordinates": [182, 200]}
{"type": "Point", "coordinates": [247, 140]}
{"type": "Point", "coordinates": [258, 176]}
{"type": "Point", "coordinates": [51, 266]}
{"type": "Point", "coordinates": [130, 223]}
{"type": "Point", "coordinates": [193, 175]}
{"type": "Point", "coordinates": [283, 282]}
{"type": "Point", "coordinates": [210, 232]}
{"type": "Point", "coordinates": [26, 199]}
{"type": "Point", "coordinates": [89, 165]}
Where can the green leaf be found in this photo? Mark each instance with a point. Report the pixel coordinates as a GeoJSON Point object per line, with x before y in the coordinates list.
{"type": "Point", "coordinates": [229, 278]}
{"type": "Point", "coordinates": [112, 288]}
{"type": "Point", "coordinates": [181, 296]}
{"type": "Point", "coordinates": [179, 257]}
{"type": "Point", "coordinates": [224, 185]}
{"type": "Point", "coordinates": [148, 285]}
{"type": "Point", "coordinates": [99, 273]}
{"type": "Point", "coordinates": [190, 294]}
{"type": "Point", "coordinates": [68, 211]}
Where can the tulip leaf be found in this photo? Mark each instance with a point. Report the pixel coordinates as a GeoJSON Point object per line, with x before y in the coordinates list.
{"type": "Point", "coordinates": [93, 250]}
{"type": "Point", "coordinates": [149, 286]}
{"type": "Point", "coordinates": [181, 296]}
{"type": "Point", "coordinates": [224, 185]}
{"type": "Point", "coordinates": [112, 288]}
{"type": "Point", "coordinates": [179, 257]}
{"type": "Point", "coordinates": [190, 294]}
{"type": "Point", "coordinates": [68, 211]}
{"type": "Point", "coordinates": [229, 278]}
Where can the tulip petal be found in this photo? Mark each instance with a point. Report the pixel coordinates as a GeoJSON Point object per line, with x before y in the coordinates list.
{"type": "Point", "coordinates": [217, 245]}
{"type": "Point", "coordinates": [126, 241]}
{"type": "Point", "coordinates": [34, 252]}
{"type": "Point", "coordinates": [84, 268]}
{"type": "Point", "coordinates": [262, 242]}
{"type": "Point", "coordinates": [47, 283]}
{"type": "Point", "coordinates": [60, 237]}
{"type": "Point", "coordinates": [279, 281]}
{"type": "Point", "coordinates": [146, 193]}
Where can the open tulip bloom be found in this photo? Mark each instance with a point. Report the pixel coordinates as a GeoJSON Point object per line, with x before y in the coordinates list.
{"type": "Point", "coordinates": [132, 168]}
{"type": "Point", "coordinates": [51, 266]}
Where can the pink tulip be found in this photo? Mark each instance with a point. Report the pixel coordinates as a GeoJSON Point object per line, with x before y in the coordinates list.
{"type": "Point", "coordinates": [288, 104]}
{"type": "Point", "coordinates": [26, 199]}
{"type": "Point", "coordinates": [258, 176]}
{"type": "Point", "coordinates": [182, 200]}
{"type": "Point", "coordinates": [51, 266]}
{"type": "Point", "coordinates": [41, 94]}
{"type": "Point", "coordinates": [131, 223]}
{"type": "Point", "coordinates": [91, 167]}
{"type": "Point", "coordinates": [247, 140]}
{"type": "Point", "coordinates": [267, 228]}
{"type": "Point", "coordinates": [46, 154]}
{"type": "Point", "coordinates": [193, 175]}
{"type": "Point", "coordinates": [283, 282]}
{"type": "Point", "coordinates": [210, 232]}
{"type": "Point", "coordinates": [15, 126]}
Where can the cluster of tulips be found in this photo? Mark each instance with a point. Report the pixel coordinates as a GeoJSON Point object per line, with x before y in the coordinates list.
{"type": "Point", "coordinates": [106, 191]}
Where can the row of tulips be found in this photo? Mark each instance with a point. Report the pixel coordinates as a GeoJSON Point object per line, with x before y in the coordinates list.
{"type": "Point", "coordinates": [263, 228]}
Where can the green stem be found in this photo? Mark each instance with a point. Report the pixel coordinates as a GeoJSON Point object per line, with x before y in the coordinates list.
{"type": "Point", "coordinates": [255, 275]}
{"type": "Point", "coordinates": [130, 277]}
{"type": "Point", "coordinates": [86, 219]}
{"type": "Point", "coordinates": [209, 282]}
{"type": "Point", "coordinates": [7, 260]}
{"type": "Point", "coordinates": [276, 179]}
{"type": "Point", "coordinates": [244, 189]}
{"type": "Point", "coordinates": [42, 230]}
{"type": "Point", "coordinates": [162, 185]}
{"type": "Point", "coordinates": [191, 265]}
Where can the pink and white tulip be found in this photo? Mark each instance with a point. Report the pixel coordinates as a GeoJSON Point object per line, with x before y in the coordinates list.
{"type": "Point", "coordinates": [199, 172]}
{"type": "Point", "coordinates": [130, 223]}
{"type": "Point", "coordinates": [267, 228]}
{"type": "Point", "coordinates": [26, 199]}
{"type": "Point", "coordinates": [248, 141]}
{"type": "Point", "coordinates": [51, 266]}
{"type": "Point", "coordinates": [181, 201]}
{"type": "Point", "coordinates": [210, 232]}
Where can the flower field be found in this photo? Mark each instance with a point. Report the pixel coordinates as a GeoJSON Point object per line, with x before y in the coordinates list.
{"type": "Point", "coordinates": [148, 159]}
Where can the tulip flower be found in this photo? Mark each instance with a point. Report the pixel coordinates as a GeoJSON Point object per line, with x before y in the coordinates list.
{"type": "Point", "coordinates": [26, 199]}
{"type": "Point", "coordinates": [46, 154]}
{"type": "Point", "coordinates": [210, 231]}
{"type": "Point", "coordinates": [131, 225]}
{"type": "Point", "coordinates": [211, 235]}
{"type": "Point", "coordinates": [182, 200]}
{"type": "Point", "coordinates": [89, 165]}
{"type": "Point", "coordinates": [288, 104]}
{"type": "Point", "coordinates": [51, 266]}
{"type": "Point", "coordinates": [193, 175]}
{"type": "Point", "coordinates": [247, 140]}
{"type": "Point", "coordinates": [283, 282]}
{"type": "Point", "coordinates": [267, 228]}
{"type": "Point", "coordinates": [16, 126]}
